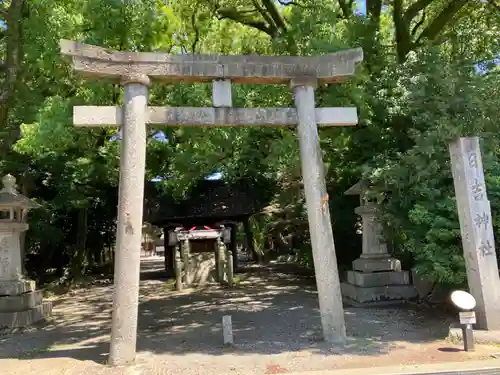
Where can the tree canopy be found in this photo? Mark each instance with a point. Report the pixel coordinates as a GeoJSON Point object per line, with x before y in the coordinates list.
{"type": "Point", "coordinates": [430, 74]}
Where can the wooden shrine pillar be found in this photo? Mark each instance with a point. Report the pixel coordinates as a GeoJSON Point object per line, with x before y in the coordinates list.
{"type": "Point", "coordinates": [169, 254]}
{"type": "Point", "coordinates": [233, 247]}
{"type": "Point", "coordinates": [249, 239]}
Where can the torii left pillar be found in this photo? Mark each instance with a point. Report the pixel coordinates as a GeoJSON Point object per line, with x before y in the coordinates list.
{"type": "Point", "coordinates": [129, 226]}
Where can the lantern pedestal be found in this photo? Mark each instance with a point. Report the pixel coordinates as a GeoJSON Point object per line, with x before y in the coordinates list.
{"type": "Point", "coordinates": [376, 277]}
{"type": "Point", "coordinates": [20, 303]}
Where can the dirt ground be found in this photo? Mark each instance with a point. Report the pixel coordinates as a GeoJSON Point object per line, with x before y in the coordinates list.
{"type": "Point", "coordinates": [275, 322]}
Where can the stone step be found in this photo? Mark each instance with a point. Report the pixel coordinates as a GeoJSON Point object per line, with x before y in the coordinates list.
{"type": "Point", "coordinates": [21, 302]}
{"type": "Point", "coordinates": [16, 287]}
{"type": "Point", "coordinates": [378, 293]}
{"type": "Point", "coordinates": [376, 264]}
{"type": "Point", "coordinates": [366, 279]}
{"type": "Point", "coordinates": [26, 317]}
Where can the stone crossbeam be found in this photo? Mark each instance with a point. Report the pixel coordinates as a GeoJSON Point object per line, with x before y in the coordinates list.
{"type": "Point", "coordinates": [107, 63]}
{"type": "Point", "coordinates": [97, 116]}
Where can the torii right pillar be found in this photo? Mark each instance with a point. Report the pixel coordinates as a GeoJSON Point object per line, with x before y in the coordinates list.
{"type": "Point", "coordinates": [318, 213]}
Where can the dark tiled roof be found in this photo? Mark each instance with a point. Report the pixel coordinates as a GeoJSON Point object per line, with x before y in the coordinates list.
{"type": "Point", "coordinates": [209, 200]}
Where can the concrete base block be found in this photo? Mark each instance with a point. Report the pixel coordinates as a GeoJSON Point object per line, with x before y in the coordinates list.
{"type": "Point", "coordinates": [22, 302]}
{"type": "Point", "coordinates": [376, 264]}
{"type": "Point", "coordinates": [365, 279]}
{"type": "Point", "coordinates": [378, 293]}
{"type": "Point", "coordinates": [16, 287]}
{"type": "Point", "coordinates": [27, 317]}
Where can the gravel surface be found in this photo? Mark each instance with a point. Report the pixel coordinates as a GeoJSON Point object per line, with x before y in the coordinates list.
{"type": "Point", "coordinates": [276, 329]}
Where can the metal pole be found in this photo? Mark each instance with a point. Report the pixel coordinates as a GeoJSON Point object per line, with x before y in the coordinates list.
{"type": "Point", "coordinates": [320, 227]}
{"type": "Point", "coordinates": [468, 337]}
{"type": "Point", "coordinates": [129, 226]}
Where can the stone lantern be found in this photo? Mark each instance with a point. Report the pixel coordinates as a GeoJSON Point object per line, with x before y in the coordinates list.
{"type": "Point", "coordinates": [376, 275]}
{"type": "Point", "coordinates": [20, 303]}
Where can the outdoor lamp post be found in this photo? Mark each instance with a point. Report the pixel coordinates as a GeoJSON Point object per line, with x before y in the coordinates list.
{"type": "Point", "coordinates": [465, 302]}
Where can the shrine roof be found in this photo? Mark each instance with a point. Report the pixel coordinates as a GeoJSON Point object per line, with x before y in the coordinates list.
{"type": "Point", "coordinates": [207, 201]}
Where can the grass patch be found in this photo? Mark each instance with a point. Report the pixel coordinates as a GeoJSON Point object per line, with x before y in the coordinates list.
{"type": "Point", "coordinates": [169, 285]}
{"type": "Point", "coordinates": [34, 352]}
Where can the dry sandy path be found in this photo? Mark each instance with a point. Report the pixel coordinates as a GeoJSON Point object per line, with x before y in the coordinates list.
{"type": "Point", "coordinates": [276, 329]}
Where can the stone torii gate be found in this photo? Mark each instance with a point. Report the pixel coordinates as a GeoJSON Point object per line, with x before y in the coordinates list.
{"type": "Point", "coordinates": [134, 70]}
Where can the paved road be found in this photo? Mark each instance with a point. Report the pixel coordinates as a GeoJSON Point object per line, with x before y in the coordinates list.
{"type": "Point", "coordinates": [455, 368]}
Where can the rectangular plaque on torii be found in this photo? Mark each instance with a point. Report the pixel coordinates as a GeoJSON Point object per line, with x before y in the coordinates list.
{"type": "Point", "coordinates": [134, 70]}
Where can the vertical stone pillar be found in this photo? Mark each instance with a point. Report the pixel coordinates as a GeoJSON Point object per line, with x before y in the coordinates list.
{"type": "Point", "coordinates": [220, 256]}
{"type": "Point", "coordinates": [129, 224]}
{"type": "Point", "coordinates": [249, 239]}
{"type": "Point", "coordinates": [318, 213]}
{"type": "Point", "coordinates": [178, 267]}
{"type": "Point", "coordinates": [233, 247]}
{"type": "Point", "coordinates": [186, 255]}
{"type": "Point", "coordinates": [229, 266]}
{"type": "Point", "coordinates": [476, 229]}
{"type": "Point", "coordinates": [221, 93]}
{"type": "Point", "coordinates": [168, 251]}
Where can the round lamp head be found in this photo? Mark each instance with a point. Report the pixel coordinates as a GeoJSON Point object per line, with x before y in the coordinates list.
{"type": "Point", "coordinates": [463, 300]}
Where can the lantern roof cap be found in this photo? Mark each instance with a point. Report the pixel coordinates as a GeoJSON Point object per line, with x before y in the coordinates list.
{"type": "Point", "coordinates": [10, 197]}
{"type": "Point", "coordinates": [362, 186]}
{"type": "Point", "coordinates": [357, 189]}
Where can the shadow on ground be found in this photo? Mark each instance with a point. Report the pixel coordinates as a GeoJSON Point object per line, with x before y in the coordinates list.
{"type": "Point", "coordinates": [273, 312]}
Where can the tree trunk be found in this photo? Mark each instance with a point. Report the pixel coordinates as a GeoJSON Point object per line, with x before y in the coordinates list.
{"type": "Point", "coordinates": [82, 228]}
{"type": "Point", "coordinates": [12, 65]}
{"type": "Point", "coordinates": [79, 256]}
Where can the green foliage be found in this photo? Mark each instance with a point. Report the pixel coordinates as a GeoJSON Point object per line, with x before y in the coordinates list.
{"type": "Point", "coordinates": [437, 102]}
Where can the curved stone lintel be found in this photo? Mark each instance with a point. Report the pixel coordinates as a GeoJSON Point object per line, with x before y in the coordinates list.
{"type": "Point", "coordinates": [98, 62]}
